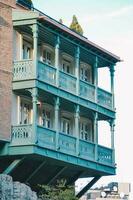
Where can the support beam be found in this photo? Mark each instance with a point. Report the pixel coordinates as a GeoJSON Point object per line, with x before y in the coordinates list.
{"type": "Point", "coordinates": [12, 166]}
{"type": "Point", "coordinates": [35, 172]}
{"type": "Point", "coordinates": [88, 186]}
{"type": "Point", "coordinates": [74, 178]}
{"type": "Point", "coordinates": [57, 175]}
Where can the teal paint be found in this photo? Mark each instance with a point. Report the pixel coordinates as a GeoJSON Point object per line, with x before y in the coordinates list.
{"type": "Point", "coordinates": [12, 166]}
{"type": "Point", "coordinates": [57, 126]}
{"type": "Point", "coordinates": [77, 68]}
{"type": "Point", "coordinates": [77, 117]}
{"type": "Point", "coordinates": [96, 134]}
{"type": "Point", "coordinates": [96, 78]}
{"type": "Point", "coordinates": [35, 46]}
{"type": "Point", "coordinates": [34, 101]}
{"type": "Point", "coordinates": [112, 71]}
{"type": "Point", "coordinates": [57, 50]}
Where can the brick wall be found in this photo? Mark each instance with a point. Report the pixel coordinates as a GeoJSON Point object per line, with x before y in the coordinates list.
{"type": "Point", "coordinates": [5, 67]}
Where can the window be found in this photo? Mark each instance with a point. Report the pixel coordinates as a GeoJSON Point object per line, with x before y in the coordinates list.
{"type": "Point", "coordinates": [46, 119]}
{"type": "Point", "coordinates": [25, 112]}
{"type": "Point", "coordinates": [86, 130]}
{"type": "Point", "coordinates": [65, 126]}
{"type": "Point", "coordinates": [46, 57]}
{"type": "Point", "coordinates": [66, 66]}
{"type": "Point", "coordinates": [86, 73]}
{"type": "Point", "coordinates": [27, 50]}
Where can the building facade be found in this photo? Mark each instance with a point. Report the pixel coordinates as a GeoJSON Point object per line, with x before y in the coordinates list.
{"type": "Point", "coordinates": [53, 101]}
{"type": "Point", "coordinates": [113, 191]}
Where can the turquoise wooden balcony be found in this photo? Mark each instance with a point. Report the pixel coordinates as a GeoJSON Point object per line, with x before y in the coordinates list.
{"type": "Point", "coordinates": [22, 135]}
{"type": "Point", "coordinates": [24, 71]}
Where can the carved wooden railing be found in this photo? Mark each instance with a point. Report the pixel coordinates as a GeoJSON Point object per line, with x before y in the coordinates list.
{"type": "Point", "coordinates": [23, 70]}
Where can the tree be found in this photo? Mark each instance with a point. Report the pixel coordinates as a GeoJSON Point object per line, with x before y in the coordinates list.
{"type": "Point", "coordinates": [75, 26]}
{"type": "Point", "coordinates": [61, 21]}
{"type": "Point", "coordinates": [58, 192]}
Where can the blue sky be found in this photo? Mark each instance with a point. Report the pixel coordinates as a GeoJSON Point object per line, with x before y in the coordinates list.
{"type": "Point", "coordinates": [108, 23]}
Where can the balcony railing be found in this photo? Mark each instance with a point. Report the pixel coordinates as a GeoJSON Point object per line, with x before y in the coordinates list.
{"type": "Point", "coordinates": [104, 98]}
{"type": "Point", "coordinates": [46, 138]}
{"type": "Point", "coordinates": [22, 134]}
{"type": "Point", "coordinates": [104, 155]}
{"type": "Point", "coordinates": [46, 73]}
{"type": "Point", "coordinates": [87, 90]}
{"type": "Point", "coordinates": [24, 70]}
{"type": "Point", "coordinates": [67, 82]}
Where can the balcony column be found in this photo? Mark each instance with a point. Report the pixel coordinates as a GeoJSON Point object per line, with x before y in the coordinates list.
{"type": "Point", "coordinates": [77, 117]}
{"type": "Point", "coordinates": [96, 77]}
{"type": "Point", "coordinates": [57, 49]}
{"type": "Point", "coordinates": [112, 70]}
{"type": "Point", "coordinates": [35, 46]}
{"type": "Point", "coordinates": [77, 68]}
{"type": "Point", "coordinates": [34, 102]}
{"type": "Point", "coordinates": [96, 134]}
{"type": "Point", "coordinates": [112, 125]}
{"type": "Point", "coordinates": [56, 113]}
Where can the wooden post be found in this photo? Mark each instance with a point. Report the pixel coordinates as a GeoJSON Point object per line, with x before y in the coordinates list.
{"type": "Point", "coordinates": [112, 125]}
{"type": "Point", "coordinates": [35, 47]}
{"type": "Point", "coordinates": [77, 117]}
{"type": "Point", "coordinates": [56, 110]}
{"type": "Point", "coordinates": [96, 77]}
{"type": "Point", "coordinates": [77, 68]}
{"type": "Point", "coordinates": [57, 46]}
{"type": "Point", "coordinates": [96, 134]}
{"type": "Point", "coordinates": [34, 101]}
{"type": "Point", "coordinates": [112, 70]}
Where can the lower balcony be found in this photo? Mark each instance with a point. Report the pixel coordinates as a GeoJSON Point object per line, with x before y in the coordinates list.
{"type": "Point", "coordinates": [22, 135]}
{"type": "Point", "coordinates": [24, 71]}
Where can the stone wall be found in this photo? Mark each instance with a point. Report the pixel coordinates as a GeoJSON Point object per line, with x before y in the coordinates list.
{"type": "Point", "coordinates": [10, 190]}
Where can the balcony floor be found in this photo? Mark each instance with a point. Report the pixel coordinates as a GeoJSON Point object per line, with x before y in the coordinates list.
{"type": "Point", "coordinates": [36, 169]}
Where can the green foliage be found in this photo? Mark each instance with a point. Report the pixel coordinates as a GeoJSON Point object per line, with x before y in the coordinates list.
{"type": "Point", "coordinates": [61, 21]}
{"type": "Point", "coordinates": [75, 26]}
{"type": "Point", "coordinates": [58, 192]}
{"type": "Point", "coordinates": [28, 1]}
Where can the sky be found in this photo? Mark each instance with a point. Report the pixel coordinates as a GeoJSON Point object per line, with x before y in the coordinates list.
{"type": "Point", "coordinates": [108, 23]}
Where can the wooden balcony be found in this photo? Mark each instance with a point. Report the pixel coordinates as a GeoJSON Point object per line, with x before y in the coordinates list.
{"type": "Point", "coordinates": [23, 135]}
{"type": "Point", "coordinates": [24, 70]}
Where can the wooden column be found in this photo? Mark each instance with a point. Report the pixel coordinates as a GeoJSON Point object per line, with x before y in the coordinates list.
{"type": "Point", "coordinates": [96, 77]}
{"type": "Point", "coordinates": [112, 125]}
{"type": "Point", "coordinates": [96, 134]}
{"type": "Point", "coordinates": [57, 46]}
{"type": "Point", "coordinates": [77, 117]}
{"type": "Point", "coordinates": [77, 68]}
{"type": "Point", "coordinates": [35, 48]}
{"type": "Point", "coordinates": [112, 70]}
{"type": "Point", "coordinates": [34, 102]}
{"type": "Point", "coordinates": [57, 126]}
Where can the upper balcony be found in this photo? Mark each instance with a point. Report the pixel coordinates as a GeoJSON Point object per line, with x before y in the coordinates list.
{"type": "Point", "coordinates": [24, 71]}
{"type": "Point", "coordinates": [49, 55]}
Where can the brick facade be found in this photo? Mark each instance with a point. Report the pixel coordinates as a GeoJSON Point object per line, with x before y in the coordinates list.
{"type": "Point", "coordinates": [6, 30]}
